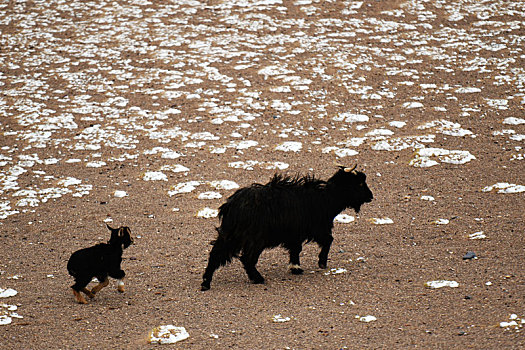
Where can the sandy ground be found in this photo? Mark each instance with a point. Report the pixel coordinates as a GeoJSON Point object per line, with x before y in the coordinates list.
{"type": "Point", "coordinates": [171, 103]}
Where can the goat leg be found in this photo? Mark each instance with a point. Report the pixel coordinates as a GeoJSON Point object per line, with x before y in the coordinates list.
{"type": "Point", "coordinates": [119, 275]}
{"type": "Point", "coordinates": [80, 298]}
{"type": "Point", "coordinates": [208, 273]}
{"type": "Point", "coordinates": [220, 255]}
{"type": "Point", "coordinates": [88, 292]}
{"type": "Point", "coordinates": [120, 285]}
{"type": "Point", "coordinates": [325, 244]}
{"type": "Point", "coordinates": [99, 286]}
{"type": "Point", "coordinates": [249, 261]}
{"type": "Point", "coordinates": [295, 264]}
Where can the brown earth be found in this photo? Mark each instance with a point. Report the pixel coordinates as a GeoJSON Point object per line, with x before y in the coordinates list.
{"type": "Point", "coordinates": [387, 265]}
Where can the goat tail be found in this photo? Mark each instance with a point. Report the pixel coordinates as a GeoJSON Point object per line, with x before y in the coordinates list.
{"type": "Point", "coordinates": [224, 250]}
{"type": "Point", "coordinates": [221, 254]}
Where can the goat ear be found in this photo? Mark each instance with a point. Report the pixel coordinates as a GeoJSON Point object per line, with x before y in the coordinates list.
{"type": "Point", "coordinates": [114, 233]}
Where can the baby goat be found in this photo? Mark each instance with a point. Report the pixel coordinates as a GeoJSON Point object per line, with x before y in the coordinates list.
{"type": "Point", "coordinates": [100, 261]}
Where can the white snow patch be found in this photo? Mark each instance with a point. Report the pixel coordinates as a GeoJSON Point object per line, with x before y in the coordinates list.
{"type": "Point", "coordinates": [514, 121]}
{"type": "Point", "coordinates": [177, 168]}
{"type": "Point", "coordinates": [446, 127]}
{"type": "Point", "coordinates": [51, 161]}
{"type": "Point", "coordinates": [184, 187]}
{"type": "Point", "coordinates": [352, 118]}
{"type": "Point", "coordinates": [280, 319]}
{"type": "Point", "coordinates": [154, 176]}
{"type": "Point", "coordinates": [340, 152]}
{"type": "Point", "coordinates": [96, 164]}
{"type": "Point", "coordinates": [209, 195]}
{"type": "Point", "coordinates": [249, 164]}
{"type": "Point", "coordinates": [7, 313]}
{"type": "Point", "coordinates": [223, 185]}
{"type": "Point", "coordinates": [6, 293]}
{"type": "Point", "coordinates": [477, 235]}
{"type": "Point", "coordinates": [505, 187]}
{"type": "Point", "coordinates": [344, 218]}
{"type": "Point", "coordinates": [422, 157]}
{"type": "Point", "coordinates": [69, 181]}
{"type": "Point", "coordinates": [120, 194]}
{"type": "Point", "coordinates": [498, 103]}
{"type": "Point", "coordinates": [467, 90]}
{"type": "Point", "coordinates": [441, 283]}
{"type": "Point", "coordinates": [245, 144]}
{"type": "Point", "coordinates": [517, 137]}
{"type": "Point", "coordinates": [288, 146]}
{"type": "Point", "coordinates": [381, 221]}
{"type": "Point", "coordinates": [276, 165]}
{"type": "Point", "coordinates": [205, 135]}
{"type": "Point", "coordinates": [401, 143]}
{"type": "Point", "coordinates": [368, 318]}
{"type": "Point", "coordinates": [274, 70]}
{"type": "Point", "coordinates": [455, 17]}
{"type": "Point", "coordinates": [514, 323]}
{"type": "Point", "coordinates": [168, 334]}
{"type": "Point", "coordinates": [207, 213]}
{"type": "Point", "coordinates": [411, 105]}
{"type": "Point", "coordinates": [397, 124]}
{"type": "Point", "coordinates": [380, 132]}
{"type": "Point", "coordinates": [171, 155]}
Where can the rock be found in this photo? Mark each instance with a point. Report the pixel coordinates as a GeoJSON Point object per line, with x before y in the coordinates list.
{"type": "Point", "coordinates": [469, 255]}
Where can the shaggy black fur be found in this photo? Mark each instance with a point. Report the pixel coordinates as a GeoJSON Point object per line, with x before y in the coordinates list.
{"type": "Point", "coordinates": [100, 261]}
{"type": "Point", "coordinates": [285, 212]}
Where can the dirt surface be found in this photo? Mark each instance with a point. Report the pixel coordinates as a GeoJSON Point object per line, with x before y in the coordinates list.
{"type": "Point", "coordinates": [175, 103]}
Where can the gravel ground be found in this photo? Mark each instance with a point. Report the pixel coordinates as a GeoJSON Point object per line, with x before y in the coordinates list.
{"type": "Point", "coordinates": [150, 114]}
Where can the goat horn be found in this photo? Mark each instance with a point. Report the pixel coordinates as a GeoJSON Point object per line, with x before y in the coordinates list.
{"type": "Point", "coordinates": [348, 170]}
{"type": "Point", "coordinates": [339, 165]}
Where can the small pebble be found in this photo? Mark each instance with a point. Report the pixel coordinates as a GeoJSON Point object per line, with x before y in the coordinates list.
{"type": "Point", "coordinates": [470, 255]}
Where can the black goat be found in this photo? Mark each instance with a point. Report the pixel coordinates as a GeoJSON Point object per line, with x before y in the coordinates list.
{"type": "Point", "coordinates": [100, 261]}
{"type": "Point", "coordinates": [285, 212]}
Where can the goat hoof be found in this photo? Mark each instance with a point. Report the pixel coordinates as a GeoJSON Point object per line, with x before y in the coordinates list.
{"type": "Point", "coordinates": [205, 286]}
{"type": "Point", "coordinates": [79, 298]}
{"type": "Point", "coordinates": [120, 286]}
{"type": "Point", "coordinates": [322, 266]}
{"type": "Point", "coordinates": [296, 271]}
{"type": "Point", "coordinates": [258, 281]}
